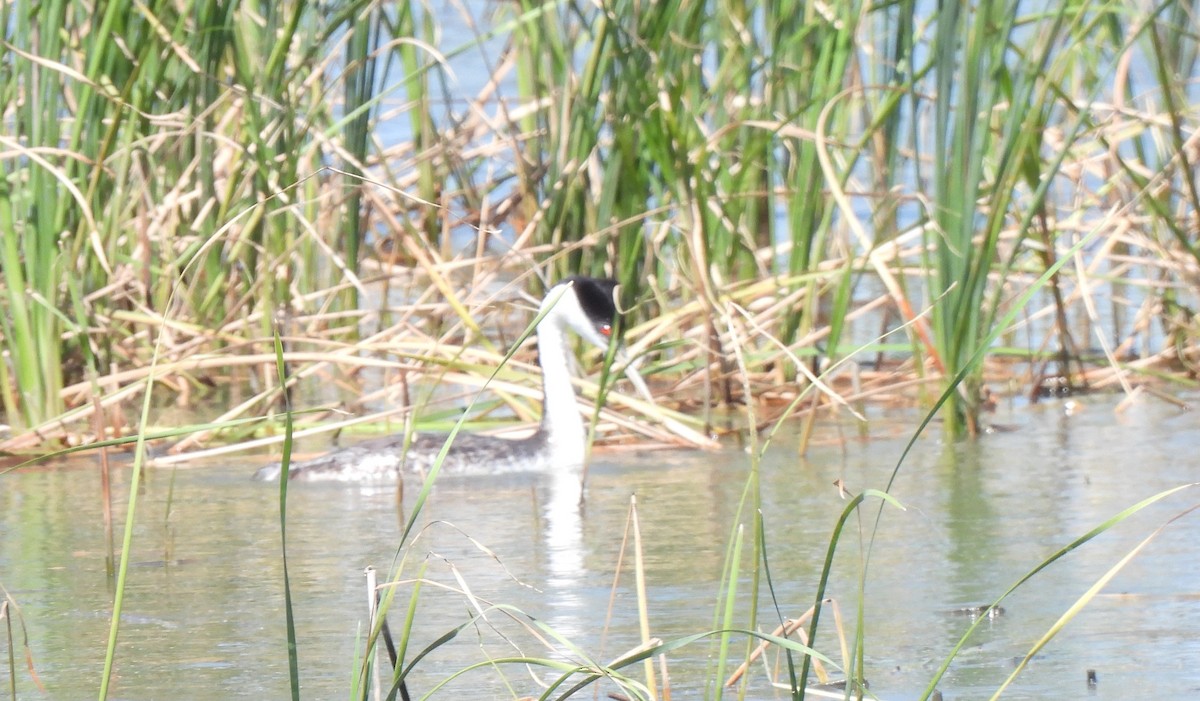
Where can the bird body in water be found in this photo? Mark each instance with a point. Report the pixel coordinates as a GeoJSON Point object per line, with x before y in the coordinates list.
{"type": "Point", "coordinates": [581, 304]}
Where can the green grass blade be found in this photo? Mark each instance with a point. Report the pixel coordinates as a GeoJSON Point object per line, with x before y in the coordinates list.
{"type": "Point", "coordinates": [1061, 553]}
{"type": "Point", "coordinates": [285, 462]}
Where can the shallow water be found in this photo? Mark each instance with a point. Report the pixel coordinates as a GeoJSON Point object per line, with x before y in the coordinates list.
{"type": "Point", "coordinates": [203, 605]}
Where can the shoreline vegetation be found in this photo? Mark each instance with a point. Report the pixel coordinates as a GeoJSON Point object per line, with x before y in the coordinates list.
{"type": "Point", "coordinates": [182, 184]}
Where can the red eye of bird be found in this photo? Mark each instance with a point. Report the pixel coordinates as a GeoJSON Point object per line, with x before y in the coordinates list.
{"type": "Point", "coordinates": [605, 329]}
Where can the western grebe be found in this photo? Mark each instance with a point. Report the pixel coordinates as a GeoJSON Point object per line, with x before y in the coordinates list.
{"type": "Point", "coordinates": [582, 304]}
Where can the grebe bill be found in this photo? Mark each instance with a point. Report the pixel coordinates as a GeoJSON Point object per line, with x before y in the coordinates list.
{"type": "Point", "coordinates": [582, 304]}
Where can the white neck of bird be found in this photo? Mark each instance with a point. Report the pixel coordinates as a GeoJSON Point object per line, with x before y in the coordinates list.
{"type": "Point", "coordinates": [561, 421]}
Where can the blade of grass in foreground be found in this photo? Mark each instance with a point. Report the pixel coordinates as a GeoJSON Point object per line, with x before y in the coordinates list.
{"type": "Point", "coordinates": [639, 570]}
{"type": "Point", "coordinates": [1087, 597]}
{"type": "Point", "coordinates": [399, 671]}
{"type": "Point", "coordinates": [284, 465]}
{"type": "Point", "coordinates": [1119, 518]}
{"type": "Point", "coordinates": [12, 662]}
{"type": "Point", "coordinates": [761, 531]}
{"type": "Point", "coordinates": [827, 569]}
{"type": "Point", "coordinates": [751, 501]}
{"type": "Point", "coordinates": [733, 573]}
{"type": "Point", "coordinates": [8, 610]}
{"type": "Point", "coordinates": [135, 481]}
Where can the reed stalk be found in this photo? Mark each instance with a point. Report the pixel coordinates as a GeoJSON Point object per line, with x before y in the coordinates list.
{"type": "Point", "coordinates": [285, 462]}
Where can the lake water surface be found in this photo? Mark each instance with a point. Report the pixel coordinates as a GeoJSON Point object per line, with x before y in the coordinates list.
{"type": "Point", "coordinates": [203, 607]}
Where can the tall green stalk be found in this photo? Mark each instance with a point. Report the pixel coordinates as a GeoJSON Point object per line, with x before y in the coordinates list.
{"type": "Point", "coordinates": [30, 259]}
{"type": "Point", "coordinates": [359, 90]}
{"type": "Point", "coordinates": [984, 109]}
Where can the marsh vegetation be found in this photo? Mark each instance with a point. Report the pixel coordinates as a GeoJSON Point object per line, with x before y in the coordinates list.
{"type": "Point", "coordinates": [979, 183]}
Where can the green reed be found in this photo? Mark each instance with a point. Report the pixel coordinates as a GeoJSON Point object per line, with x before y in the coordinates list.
{"type": "Point", "coordinates": [141, 138]}
{"type": "Point", "coordinates": [285, 461]}
{"type": "Point", "coordinates": [30, 263]}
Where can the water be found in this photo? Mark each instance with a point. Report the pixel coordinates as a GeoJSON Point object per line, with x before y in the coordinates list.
{"type": "Point", "coordinates": [203, 606]}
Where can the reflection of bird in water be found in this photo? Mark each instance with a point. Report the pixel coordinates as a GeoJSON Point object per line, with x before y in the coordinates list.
{"type": "Point", "coordinates": [582, 304]}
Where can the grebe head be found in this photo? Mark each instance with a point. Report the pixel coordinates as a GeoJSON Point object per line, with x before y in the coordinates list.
{"type": "Point", "coordinates": [585, 305]}
{"type": "Point", "coordinates": [590, 312]}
